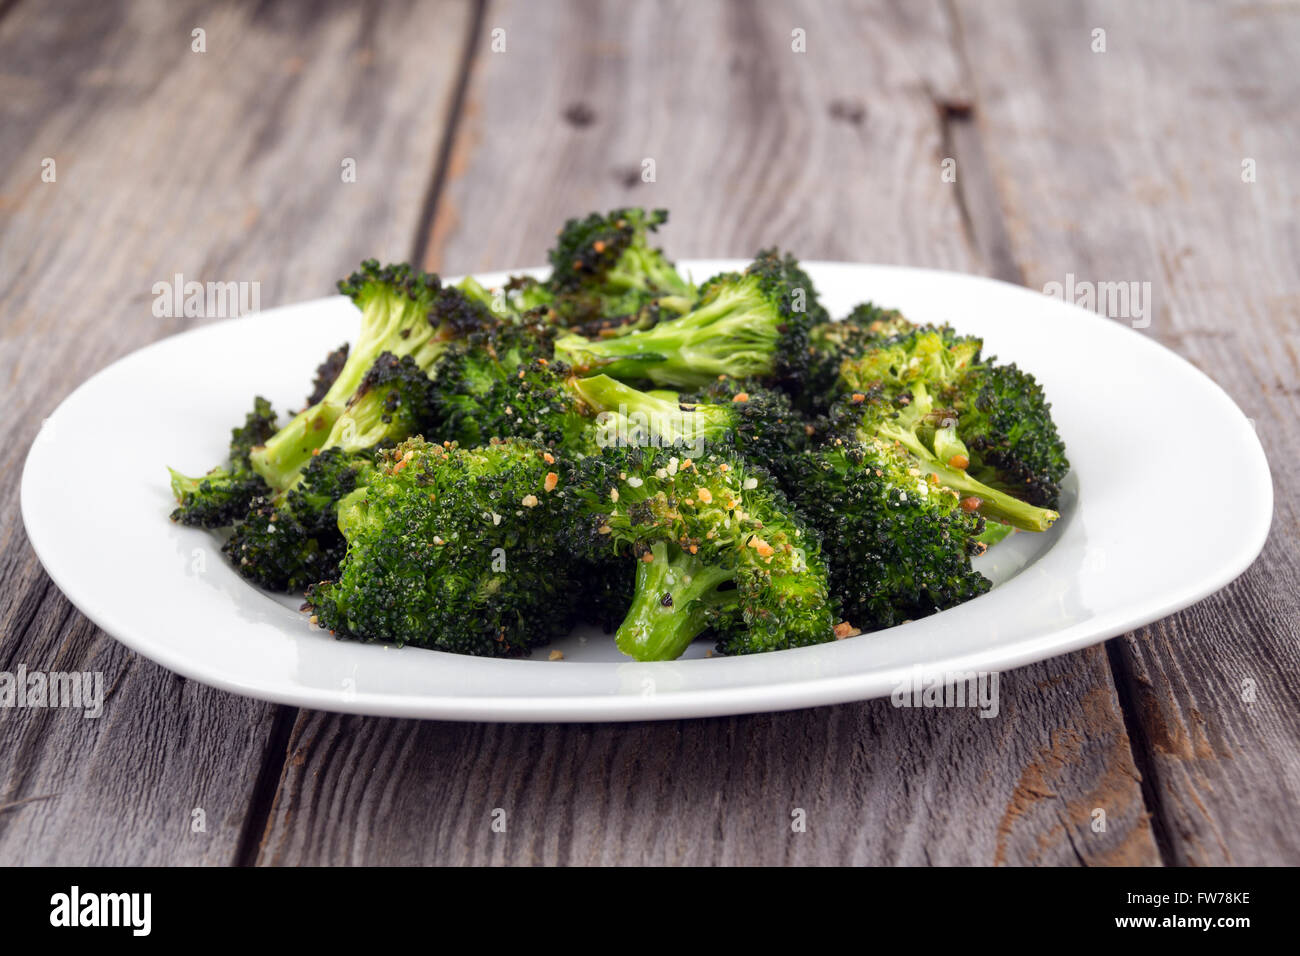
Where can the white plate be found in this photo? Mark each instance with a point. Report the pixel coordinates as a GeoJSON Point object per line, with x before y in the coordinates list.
{"type": "Point", "coordinates": [1139, 535]}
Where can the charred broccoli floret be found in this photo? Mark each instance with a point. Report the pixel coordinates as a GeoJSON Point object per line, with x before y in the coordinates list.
{"type": "Point", "coordinates": [293, 541]}
{"type": "Point", "coordinates": [327, 373]}
{"type": "Point", "coordinates": [746, 325]}
{"type": "Point", "coordinates": [896, 392]}
{"type": "Point", "coordinates": [221, 497]}
{"type": "Point", "coordinates": [1005, 422]}
{"type": "Point", "coordinates": [453, 549]}
{"type": "Point", "coordinates": [898, 543]}
{"type": "Point", "coordinates": [509, 388]}
{"type": "Point", "coordinates": [716, 547]}
{"type": "Point", "coordinates": [603, 266]}
{"type": "Point", "coordinates": [756, 422]}
{"type": "Point", "coordinates": [395, 399]}
{"type": "Point", "coordinates": [830, 343]}
{"type": "Point", "coordinates": [404, 313]}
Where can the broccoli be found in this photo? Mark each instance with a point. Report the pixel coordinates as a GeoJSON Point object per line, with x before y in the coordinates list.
{"type": "Point", "coordinates": [221, 497]}
{"type": "Point", "coordinates": [294, 541]}
{"type": "Point", "coordinates": [898, 543]}
{"type": "Point", "coordinates": [404, 312]}
{"type": "Point", "coordinates": [715, 545]}
{"type": "Point", "coordinates": [831, 342]}
{"type": "Point", "coordinates": [1011, 442]}
{"type": "Point", "coordinates": [759, 423]}
{"type": "Point", "coordinates": [603, 267]}
{"type": "Point", "coordinates": [506, 386]}
{"type": "Point", "coordinates": [750, 324]}
{"type": "Point", "coordinates": [395, 399]}
{"type": "Point", "coordinates": [895, 393]}
{"type": "Point", "coordinates": [453, 549]}
{"type": "Point", "coordinates": [327, 373]}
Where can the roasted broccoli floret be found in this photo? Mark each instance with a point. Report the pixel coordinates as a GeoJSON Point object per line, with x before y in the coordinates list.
{"type": "Point", "coordinates": [756, 422]}
{"type": "Point", "coordinates": [395, 399]}
{"type": "Point", "coordinates": [716, 547]}
{"type": "Point", "coordinates": [293, 541]}
{"type": "Point", "coordinates": [603, 266]}
{"type": "Point", "coordinates": [454, 549]}
{"type": "Point", "coordinates": [746, 325]}
{"type": "Point", "coordinates": [509, 388]}
{"type": "Point", "coordinates": [221, 497]}
{"type": "Point", "coordinates": [898, 543]}
{"type": "Point", "coordinates": [830, 343]}
{"type": "Point", "coordinates": [896, 392]}
{"type": "Point", "coordinates": [404, 312]}
{"type": "Point", "coordinates": [1005, 422]}
{"type": "Point", "coordinates": [326, 373]}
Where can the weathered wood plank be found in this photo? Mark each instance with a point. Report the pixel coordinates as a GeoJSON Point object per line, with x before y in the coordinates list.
{"type": "Point", "coordinates": [221, 165]}
{"type": "Point", "coordinates": [837, 152]}
{"type": "Point", "coordinates": [875, 784]}
{"type": "Point", "coordinates": [1127, 165]}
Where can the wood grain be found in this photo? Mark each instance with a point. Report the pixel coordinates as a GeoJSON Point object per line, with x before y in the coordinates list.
{"type": "Point", "coordinates": [874, 784]}
{"type": "Point", "coordinates": [836, 152]}
{"type": "Point", "coordinates": [1126, 165]}
{"type": "Point", "coordinates": [222, 165]}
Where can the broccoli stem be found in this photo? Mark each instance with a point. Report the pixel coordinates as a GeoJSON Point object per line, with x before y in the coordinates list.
{"type": "Point", "coordinates": [721, 337]}
{"type": "Point", "coordinates": [287, 452]}
{"type": "Point", "coordinates": [947, 446]}
{"type": "Point", "coordinates": [648, 416]}
{"type": "Point", "coordinates": [992, 503]}
{"type": "Point", "coordinates": [670, 606]}
{"type": "Point", "coordinates": [994, 531]}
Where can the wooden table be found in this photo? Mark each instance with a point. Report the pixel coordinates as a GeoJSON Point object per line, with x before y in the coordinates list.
{"type": "Point", "coordinates": [474, 129]}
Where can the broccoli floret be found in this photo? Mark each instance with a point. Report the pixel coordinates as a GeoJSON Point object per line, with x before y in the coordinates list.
{"type": "Point", "coordinates": [221, 497]}
{"type": "Point", "coordinates": [395, 399]}
{"type": "Point", "coordinates": [404, 312]}
{"type": "Point", "coordinates": [716, 547]}
{"type": "Point", "coordinates": [899, 544]}
{"type": "Point", "coordinates": [454, 549]}
{"type": "Point", "coordinates": [293, 541]}
{"type": "Point", "coordinates": [1005, 422]}
{"type": "Point", "coordinates": [757, 422]}
{"type": "Point", "coordinates": [215, 500]}
{"type": "Point", "coordinates": [476, 380]}
{"type": "Point", "coordinates": [326, 374]}
{"type": "Point", "coordinates": [508, 387]}
{"type": "Point", "coordinates": [746, 325]}
{"type": "Point", "coordinates": [830, 343]}
{"type": "Point", "coordinates": [604, 266]}
{"type": "Point", "coordinates": [896, 393]}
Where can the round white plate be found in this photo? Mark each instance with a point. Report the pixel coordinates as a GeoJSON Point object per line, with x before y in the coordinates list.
{"type": "Point", "coordinates": [1137, 539]}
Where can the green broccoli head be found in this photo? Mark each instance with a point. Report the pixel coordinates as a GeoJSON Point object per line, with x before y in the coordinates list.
{"type": "Point", "coordinates": [830, 343]}
{"type": "Point", "coordinates": [222, 496]}
{"type": "Point", "coordinates": [899, 544]}
{"type": "Point", "coordinates": [907, 391]}
{"type": "Point", "coordinates": [756, 422]}
{"type": "Point", "coordinates": [716, 547]}
{"type": "Point", "coordinates": [454, 549]}
{"type": "Point", "coordinates": [604, 266]}
{"type": "Point", "coordinates": [746, 325]}
{"type": "Point", "coordinates": [404, 312]}
{"type": "Point", "coordinates": [326, 374]}
{"type": "Point", "coordinates": [394, 400]}
{"type": "Point", "coordinates": [215, 500]}
{"type": "Point", "coordinates": [293, 541]}
{"type": "Point", "coordinates": [511, 389]}
{"type": "Point", "coordinates": [1005, 421]}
